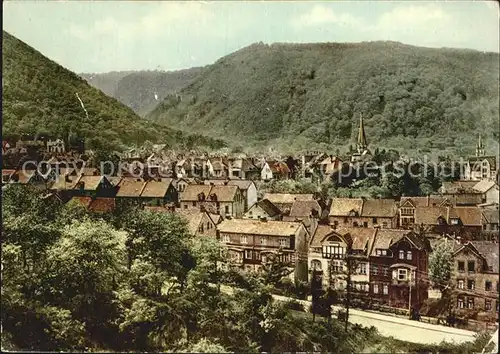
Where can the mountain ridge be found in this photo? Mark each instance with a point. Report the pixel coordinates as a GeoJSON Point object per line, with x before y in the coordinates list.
{"type": "Point", "coordinates": [312, 93]}
{"type": "Point", "coordinates": [39, 97]}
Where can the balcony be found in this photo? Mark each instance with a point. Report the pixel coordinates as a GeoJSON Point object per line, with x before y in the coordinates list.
{"type": "Point", "coordinates": [402, 282]}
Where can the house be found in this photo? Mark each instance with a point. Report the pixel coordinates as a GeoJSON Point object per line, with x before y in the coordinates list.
{"type": "Point", "coordinates": [130, 190]}
{"type": "Point", "coordinates": [489, 190]}
{"type": "Point", "coordinates": [55, 146]}
{"type": "Point", "coordinates": [263, 209]}
{"type": "Point", "coordinates": [97, 205]}
{"type": "Point", "coordinates": [399, 266]}
{"type": "Point", "coordinates": [475, 275]}
{"type": "Point", "coordinates": [251, 243]}
{"type": "Point", "coordinates": [360, 212]}
{"type": "Point", "coordinates": [465, 222]}
{"type": "Point", "coordinates": [33, 178]}
{"type": "Point", "coordinates": [303, 209]}
{"type": "Point", "coordinates": [7, 175]}
{"type": "Point", "coordinates": [328, 249]}
{"type": "Point", "coordinates": [225, 200]}
{"type": "Point", "coordinates": [160, 191]}
{"type": "Point", "coordinates": [481, 167]}
{"type": "Point", "coordinates": [284, 201]}
{"type": "Point", "coordinates": [329, 166]}
{"type": "Point", "coordinates": [407, 206]}
{"type": "Point", "coordinates": [193, 195]}
{"type": "Point", "coordinates": [462, 193]}
{"type": "Point", "coordinates": [247, 187]}
{"type": "Point", "coordinates": [181, 183]}
{"type": "Point", "coordinates": [94, 186]}
{"type": "Point", "coordinates": [220, 167]}
{"type": "Point", "coordinates": [276, 170]}
{"type": "Point", "coordinates": [200, 222]}
{"type": "Point", "coordinates": [490, 221]}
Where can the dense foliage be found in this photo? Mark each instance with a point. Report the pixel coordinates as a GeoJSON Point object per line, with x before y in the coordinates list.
{"type": "Point", "coordinates": [142, 90]}
{"type": "Point", "coordinates": [137, 281]}
{"type": "Point", "coordinates": [39, 96]}
{"type": "Point", "coordinates": [311, 95]}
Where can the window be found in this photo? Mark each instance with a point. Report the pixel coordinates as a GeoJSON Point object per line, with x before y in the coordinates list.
{"type": "Point", "coordinates": [402, 274]}
{"type": "Point", "coordinates": [263, 240]}
{"type": "Point", "coordinates": [243, 239]}
{"type": "Point", "coordinates": [194, 203]}
{"type": "Point", "coordinates": [333, 251]}
{"type": "Point", "coordinates": [374, 220]}
{"type": "Point", "coordinates": [185, 206]}
{"type": "Point", "coordinates": [365, 224]}
{"type": "Point", "coordinates": [375, 288]}
{"type": "Point", "coordinates": [487, 305]}
{"type": "Point", "coordinates": [367, 288]}
{"type": "Point", "coordinates": [460, 303]}
{"type": "Point", "coordinates": [386, 272]}
{"type": "Point", "coordinates": [488, 286]}
{"type": "Point", "coordinates": [336, 267]}
{"type": "Point", "coordinates": [248, 254]}
{"type": "Point", "coordinates": [362, 268]}
{"type": "Point", "coordinates": [315, 264]}
{"type": "Point", "coordinates": [454, 221]}
{"type": "Point", "coordinates": [256, 255]}
{"type": "Point", "coordinates": [470, 284]}
{"type": "Point", "coordinates": [200, 228]}
{"type": "Point", "coordinates": [355, 224]}
{"type": "Point", "coordinates": [226, 238]}
{"type": "Point", "coordinates": [226, 209]}
{"type": "Point", "coordinates": [460, 284]}
{"type": "Point", "coordinates": [401, 254]}
{"type": "Point", "coordinates": [408, 255]}
{"type": "Point", "coordinates": [250, 213]}
{"type": "Point", "coordinates": [375, 270]}
{"type": "Point", "coordinates": [335, 223]}
{"type": "Point", "coordinates": [470, 303]}
{"type": "Point", "coordinates": [386, 289]}
{"type": "Point", "coordinates": [384, 225]}
{"type": "Point", "coordinates": [461, 266]}
{"type": "Point", "coordinates": [471, 266]}
{"type": "Point", "coordinates": [407, 211]}
{"type": "Point", "coordinates": [283, 242]}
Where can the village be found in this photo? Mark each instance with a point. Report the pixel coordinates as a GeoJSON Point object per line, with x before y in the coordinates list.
{"type": "Point", "coordinates": [390, 241]}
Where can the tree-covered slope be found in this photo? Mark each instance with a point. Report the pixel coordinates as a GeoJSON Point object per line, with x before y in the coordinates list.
{"type": "Point", "coordinates": [39, 96]}
{"type": "Point", "coordinates": [306, 95]}
{"type": "Point", "coordinates": [142, 90]}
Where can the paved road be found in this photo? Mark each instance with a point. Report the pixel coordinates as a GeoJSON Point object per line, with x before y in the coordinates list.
{"type": "Point", "coordinates": [399, 328]}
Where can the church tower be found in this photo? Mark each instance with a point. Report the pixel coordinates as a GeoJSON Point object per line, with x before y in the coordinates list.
{"type": "Point", "coordinates": [362, 142]}
{"type": "Point", "coordinates": [480, 147]}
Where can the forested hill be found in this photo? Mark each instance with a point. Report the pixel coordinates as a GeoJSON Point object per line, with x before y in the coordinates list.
{"type": "Point", "coordinates": [39, 96]}
{"type": "Point", "coordinates": [305, 95]}
{"type": "Point", "coordinates": [142, 90]}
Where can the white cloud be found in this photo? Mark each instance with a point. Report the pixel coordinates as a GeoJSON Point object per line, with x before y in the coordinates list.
{"type": "Point", "coordinates": [166, 18]}
{"type": "Point", "coordinates": [323, 15]}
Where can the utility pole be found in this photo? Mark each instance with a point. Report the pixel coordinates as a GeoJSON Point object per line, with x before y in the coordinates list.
{"type": "Point", "coordinates": [409, 295]}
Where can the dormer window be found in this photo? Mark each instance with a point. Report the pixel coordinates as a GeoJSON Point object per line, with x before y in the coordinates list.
{"type": "Point", "coordinates": [454, 221]}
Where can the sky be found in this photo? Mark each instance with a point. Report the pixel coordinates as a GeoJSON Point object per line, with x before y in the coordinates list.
{"type": "Point", "coordinates": [96, 37]}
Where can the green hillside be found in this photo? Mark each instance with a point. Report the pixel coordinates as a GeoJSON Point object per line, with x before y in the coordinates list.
{"type": "Point", "coordinates": [39, 96]}
{"type": "Point", "coordinates": [142, 90]}
{"type": "Point", "coordinates": [311, 95]}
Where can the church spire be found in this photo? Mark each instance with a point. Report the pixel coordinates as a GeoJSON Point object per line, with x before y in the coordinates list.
{"type": "Point", "coordinates": [362, 142]}
{"type": "Point", "coordinates": [480, 147]}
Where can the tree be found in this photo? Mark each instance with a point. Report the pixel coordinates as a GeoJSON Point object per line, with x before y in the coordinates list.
{"type": "Point", "coordinates": [441, 264]}
{"type": "Point", "coordinates": [274, 270]}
